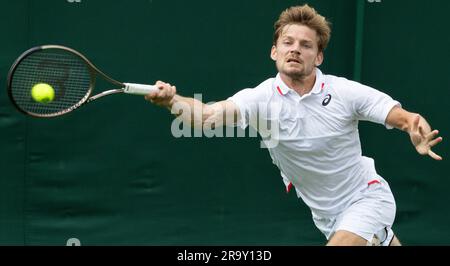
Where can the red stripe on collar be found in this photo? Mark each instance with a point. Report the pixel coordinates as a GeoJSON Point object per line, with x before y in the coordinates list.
{"type": "Point", "coordinates": [279, 90]}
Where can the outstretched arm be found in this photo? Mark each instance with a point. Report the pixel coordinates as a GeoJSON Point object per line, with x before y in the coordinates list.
{"type": "Point", "coordinates": [422, 136]}
{"type": "Point", "coordinates": [193, 111]}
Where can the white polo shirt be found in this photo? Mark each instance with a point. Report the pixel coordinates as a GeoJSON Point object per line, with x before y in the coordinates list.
{"type": "Point", "coordinates": [318, 149]}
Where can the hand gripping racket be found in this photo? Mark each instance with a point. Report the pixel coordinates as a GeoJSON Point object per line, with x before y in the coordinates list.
{"type": "Point", "coordinates": [71, 76]}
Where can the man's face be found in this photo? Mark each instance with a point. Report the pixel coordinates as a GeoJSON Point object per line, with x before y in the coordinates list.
{"type": "Point", "coordinates": [296, 52]}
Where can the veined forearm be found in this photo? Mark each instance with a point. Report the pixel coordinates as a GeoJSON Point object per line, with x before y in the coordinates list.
{"type": "Point", "coordinates": [192, 111]}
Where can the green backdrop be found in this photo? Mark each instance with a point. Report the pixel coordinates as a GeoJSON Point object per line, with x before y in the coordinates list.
{"type": "Point", "coordinates": [111, 173]}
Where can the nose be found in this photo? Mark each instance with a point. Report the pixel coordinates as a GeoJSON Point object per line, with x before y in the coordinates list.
{"type": "Point", "coordinates": [295, 52]}
{"type": "Point", "coordinates": [295, 49]}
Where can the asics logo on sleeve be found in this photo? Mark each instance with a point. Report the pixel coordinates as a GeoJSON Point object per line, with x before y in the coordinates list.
{"type": "Point", "coordinates": [327, 100]}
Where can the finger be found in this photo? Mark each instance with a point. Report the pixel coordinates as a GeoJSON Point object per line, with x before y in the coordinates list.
{"type": "Point", "coordinates": [159, 87]}
{"type": "Point", "coordinates": [167, 87]}
{"type": "Point", "coordinates": [434, 142]}
{"type": "Point", "coordinates": [166, 93]}
{"type": "Point", "coordinates": [156, 101]}
{"type": "Point", "coordinates": [159, 83]}
{"type": "Point", "coordinates": [163, 93]}
{"type": "Point", "coordinates": [432, 135]}
{"type": "Point", "coordinates": [416, 123]}
{"type": "Point", "coordinates": [422, 133]}
{"type": "Point", "coordinates": [434, 155]}
{"type": "Point", "coordinates": [173, 91]}
{"type": "Point", "coordinates": [153, 94]}
{"type": "Point", "coordinates": [167, 90]}
{"type": "Point", "coordinates": [150, 100]}
{"type": "Point", "coordinates": [150, 96]}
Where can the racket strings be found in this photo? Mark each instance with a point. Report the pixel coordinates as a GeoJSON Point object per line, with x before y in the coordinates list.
{"type": "Point", "coordinates": [64, 71]}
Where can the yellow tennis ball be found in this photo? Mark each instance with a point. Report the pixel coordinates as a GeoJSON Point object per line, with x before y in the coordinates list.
{"type": "Point", "coordinates": [42, 93]}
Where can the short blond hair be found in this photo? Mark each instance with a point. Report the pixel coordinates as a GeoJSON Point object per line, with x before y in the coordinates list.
{"type": "Point", "coordinates": [307, 16]}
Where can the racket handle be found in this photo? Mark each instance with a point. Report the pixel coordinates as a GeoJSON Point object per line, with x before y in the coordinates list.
{"type": "Point", "coordinates": [139, 89]}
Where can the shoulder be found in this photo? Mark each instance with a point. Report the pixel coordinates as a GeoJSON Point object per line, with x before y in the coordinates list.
{"type": "Point", "coordinates": [348, 89]}
{"type": "Point", "coordinates": [261, 92]}
{"type": "Point", "coordinates": [341, 84]}
{"type": "Point", "coordinates": [266, 84]}
{"type": "Point", "coordinates": [265, 87]}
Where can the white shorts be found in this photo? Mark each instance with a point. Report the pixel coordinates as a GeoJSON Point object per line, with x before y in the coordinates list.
{"type": "Point", "coordinates": [370, 214]}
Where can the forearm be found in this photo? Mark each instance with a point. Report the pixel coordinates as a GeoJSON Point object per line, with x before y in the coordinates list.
{"type": "Point", "coordinates": [192, 111]}
{"type": "Point", "coordinates": [404, 120]}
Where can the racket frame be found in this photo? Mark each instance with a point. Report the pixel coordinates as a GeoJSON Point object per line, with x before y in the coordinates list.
{"type": "Point", "coordinates": [93, 72]}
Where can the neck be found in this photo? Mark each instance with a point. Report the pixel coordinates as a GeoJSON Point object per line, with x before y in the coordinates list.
{"type": "Point", "coordinates": [302, 85]}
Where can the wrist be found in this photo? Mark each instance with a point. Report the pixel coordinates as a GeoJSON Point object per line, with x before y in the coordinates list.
{"type": "Point", "coordinates": [171, 103]}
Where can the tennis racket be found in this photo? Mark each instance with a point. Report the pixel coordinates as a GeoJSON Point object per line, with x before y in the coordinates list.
{"type": "Point", "coordinates": [71, 76]}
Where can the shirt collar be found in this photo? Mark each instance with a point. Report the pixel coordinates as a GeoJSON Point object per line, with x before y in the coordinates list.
{"type": "Point", "coordinates": [283, 89]}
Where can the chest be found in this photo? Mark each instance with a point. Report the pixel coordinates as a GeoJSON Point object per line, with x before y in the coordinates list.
{"type": "Point", "coordinates": [316, 115]}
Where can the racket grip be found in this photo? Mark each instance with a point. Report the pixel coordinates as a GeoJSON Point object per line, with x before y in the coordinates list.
{"type": "Point", "coordinates": [139, 89]}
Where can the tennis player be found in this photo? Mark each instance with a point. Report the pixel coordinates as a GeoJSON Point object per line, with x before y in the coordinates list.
{"type": "Point", "coordinates": [318, 151]}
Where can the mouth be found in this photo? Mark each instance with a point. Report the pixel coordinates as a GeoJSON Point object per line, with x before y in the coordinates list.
{"type": "Point", "coordinates": [294, 60]}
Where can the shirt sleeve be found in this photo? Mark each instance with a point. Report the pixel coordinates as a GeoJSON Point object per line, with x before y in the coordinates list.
{"type": "Point", "coordinates": [369, 104]}
{"type": "Point", "coordinates": [240, 99]}
{"type": "Point", "coordinates": [248, 100]}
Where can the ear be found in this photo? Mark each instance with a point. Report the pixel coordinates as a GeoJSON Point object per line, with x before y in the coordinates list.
{"type": "Point", "coordinates": [319, 59]}
{"type": "Point", "coordinates": [273, 53]}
